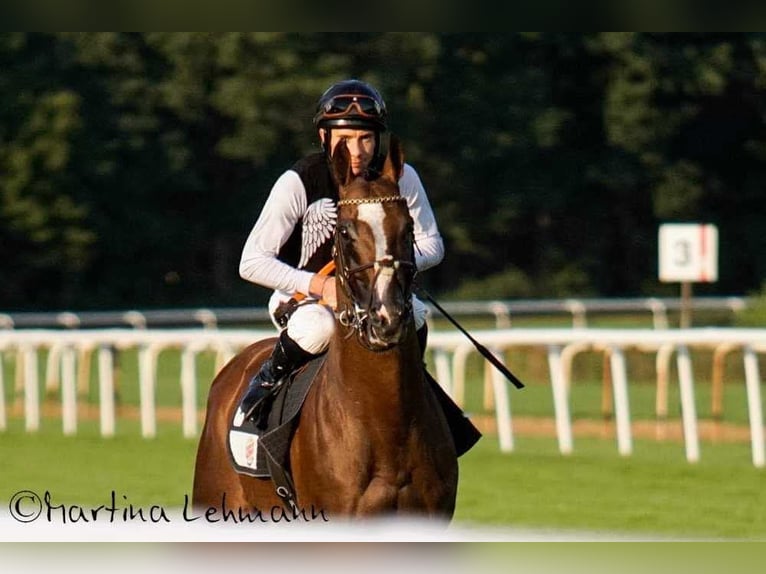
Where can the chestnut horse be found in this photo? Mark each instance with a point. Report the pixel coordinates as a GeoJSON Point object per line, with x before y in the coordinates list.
{"type": "Point", "coordinates": [371, 438]}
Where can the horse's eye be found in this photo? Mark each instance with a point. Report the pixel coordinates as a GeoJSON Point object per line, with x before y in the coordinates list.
{"type": "Point", "coordinates": [344, 232]}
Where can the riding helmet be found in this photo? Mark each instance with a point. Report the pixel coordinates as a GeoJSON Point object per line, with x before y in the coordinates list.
{"type": "Point", "coordinates": [351, 104]}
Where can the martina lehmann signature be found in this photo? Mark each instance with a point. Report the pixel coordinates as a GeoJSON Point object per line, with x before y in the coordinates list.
{"type": "Point", "coordinates": [28, 506]}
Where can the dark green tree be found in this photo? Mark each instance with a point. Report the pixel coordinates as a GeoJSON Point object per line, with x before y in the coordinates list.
{"type": "Point", "coordinates": [133, 165]}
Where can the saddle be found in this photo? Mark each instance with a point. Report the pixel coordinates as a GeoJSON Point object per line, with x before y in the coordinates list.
{"type": "Point", "coordinates": [264, 453]}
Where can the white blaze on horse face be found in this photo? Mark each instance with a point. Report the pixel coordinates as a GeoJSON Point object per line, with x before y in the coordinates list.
{"type": "Point", "coordinates": [373, 215]}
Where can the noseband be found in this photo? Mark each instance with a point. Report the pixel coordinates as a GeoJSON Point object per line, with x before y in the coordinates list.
{"type": "Point", "coordinates": [357, 317]}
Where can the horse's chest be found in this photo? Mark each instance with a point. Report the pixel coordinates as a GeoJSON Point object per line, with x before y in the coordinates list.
{"type": "Point", "coordinates": [368, 469]}
{"type": "Point", "coordinates": [405, 483]}
{"type": "Point", "coordinates": [392, 492]}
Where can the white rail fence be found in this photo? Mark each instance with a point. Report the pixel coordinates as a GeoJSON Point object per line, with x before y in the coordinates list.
{"type": "Point", "coordinates": [65, 348]}
{"type": "Point", "coordinates": [451, 351]}
{"type": "Point", "coordinates": [503, 312]}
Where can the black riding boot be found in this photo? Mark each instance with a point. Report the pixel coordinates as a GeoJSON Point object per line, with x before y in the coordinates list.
{"type": "Point", "coordinates": [286, 358]}
{"type": "Point", "coordinates": [464, 433]}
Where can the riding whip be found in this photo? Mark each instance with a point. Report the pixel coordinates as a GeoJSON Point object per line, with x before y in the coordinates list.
{"type": "Point", "coordinates": [486, 353]}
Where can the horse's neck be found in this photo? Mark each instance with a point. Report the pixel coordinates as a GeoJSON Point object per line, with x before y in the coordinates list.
{"type": "Point", "coordinates": [395, 376]}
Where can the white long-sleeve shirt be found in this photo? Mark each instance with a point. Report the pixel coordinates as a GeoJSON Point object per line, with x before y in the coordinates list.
{"type": "Point", "coordinates": [288, 205]}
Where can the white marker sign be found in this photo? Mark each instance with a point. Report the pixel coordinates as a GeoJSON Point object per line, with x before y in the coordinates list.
{"type": "Point", "coordinates": [688, 252]}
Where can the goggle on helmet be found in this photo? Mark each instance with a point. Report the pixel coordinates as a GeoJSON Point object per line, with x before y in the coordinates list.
{"type": "Point", "coordinates": [351, 104]}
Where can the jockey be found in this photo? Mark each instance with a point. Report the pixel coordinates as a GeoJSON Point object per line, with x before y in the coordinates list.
{"type": "Point", "coordinates": [292, 238]}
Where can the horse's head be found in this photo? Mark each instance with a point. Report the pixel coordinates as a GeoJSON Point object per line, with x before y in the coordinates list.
{"type": "Point", "coordinates": [374, 253]}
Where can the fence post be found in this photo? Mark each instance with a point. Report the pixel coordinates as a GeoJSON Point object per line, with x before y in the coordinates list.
{"type": "Point", "coordinates": [621, 403]}
{"type": "Point", "coordinates": [659, 313]}
{"type": "Point", "coordinates": [68, 391]}
{"type": "Point", "coordinates": [716, 391]}
{"type": "Point", "coordinates": [567, 358]}
{"type": "Point", "coordinates": [560, 402]}
{"type": "Point", "coordinates": [147, 360]}
{"type": "Point", "coordinates": [53, 369]}
{"type": "Point", "coordinates": [502, 314]}
{"type": "Point", "coordinates": [68, 319]}
{"type": "Point", "coordinates": [135, 319]}
{"type": "Point", "coordinates": [459, 361]}
{"type": "Point", "coordinates": [688, 408]}
{"type": "Point", "coordinates": [664, 353]}
{"type": "Point", "coordinates": [106, 389]}
{"type": "Point", "coordinates": [189, 391]}
{"type": "Point", "coordinates": [502, 407]}
{"type": "Point", "coordinates": [207, 317]}
{"type": "Point", "coordinates": [443, 376]}
{"type": "Point", "coordinates": [755, 411]}
{"type": "Point", "coordinates": [578, 311]}
{"type": "Point", "coordinates": [85, 356]}
{"type": "Point", "coordinates": [31, 390]}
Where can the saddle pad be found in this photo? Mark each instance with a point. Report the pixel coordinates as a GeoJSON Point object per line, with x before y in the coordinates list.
{"type": "Point", "coordinates": [244, 452]}
{"type": "Point", "coordinates": [253, 451]}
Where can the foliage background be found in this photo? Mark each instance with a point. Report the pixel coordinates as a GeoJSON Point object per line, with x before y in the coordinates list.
{"type": "Point", "coordinates": [132, 165]}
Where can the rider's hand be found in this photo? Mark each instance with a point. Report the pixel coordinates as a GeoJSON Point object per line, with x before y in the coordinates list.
{"type": "Point", "coordinates": [329, 294]}
{"type": "Point", "coordinates": [323, 287]}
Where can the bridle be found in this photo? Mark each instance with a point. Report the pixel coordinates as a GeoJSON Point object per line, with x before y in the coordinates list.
{"type": "Point", "coordinates": [356, 318]}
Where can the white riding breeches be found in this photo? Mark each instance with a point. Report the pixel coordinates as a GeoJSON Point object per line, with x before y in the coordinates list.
{"type": "Point", "coordinates": [311, 325]}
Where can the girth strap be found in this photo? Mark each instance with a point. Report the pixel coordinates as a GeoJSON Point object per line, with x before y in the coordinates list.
{"type": "Point", "coordinates": [276, 442]}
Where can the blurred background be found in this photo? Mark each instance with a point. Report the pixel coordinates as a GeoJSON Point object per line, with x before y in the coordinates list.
{"type": "Point", "coordinates": [133, 165]}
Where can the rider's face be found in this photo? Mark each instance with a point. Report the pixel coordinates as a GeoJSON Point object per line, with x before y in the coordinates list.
{"type": "Point", "coordinates": [360, 144]}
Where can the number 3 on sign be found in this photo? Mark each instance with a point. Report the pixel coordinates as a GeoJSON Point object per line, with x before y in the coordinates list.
{"type": "Point", "coordinates": [688, 252]}
{"type": "Point", "coordinates": [683, 253]}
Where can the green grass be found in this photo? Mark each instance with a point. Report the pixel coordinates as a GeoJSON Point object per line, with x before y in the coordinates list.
{"type": "Point", "coordinates": [85, 468]}
{"type": "Point", "coordinates": [653, 492]}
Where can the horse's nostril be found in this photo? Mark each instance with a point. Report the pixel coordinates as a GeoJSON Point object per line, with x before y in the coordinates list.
{"type": "Point", "coordinates": [378, 319]}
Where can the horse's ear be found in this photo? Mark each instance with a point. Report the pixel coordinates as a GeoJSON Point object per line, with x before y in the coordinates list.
{"type": "Point", "coordinates": [392, 167]}
{"type": "Point", "coordinates": [341, 164]}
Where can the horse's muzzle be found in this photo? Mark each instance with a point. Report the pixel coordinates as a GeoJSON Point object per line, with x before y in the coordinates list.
{"type": "Point", "coordinates": [386, 329]}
